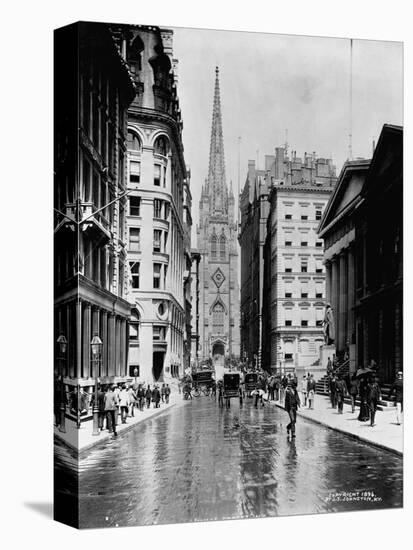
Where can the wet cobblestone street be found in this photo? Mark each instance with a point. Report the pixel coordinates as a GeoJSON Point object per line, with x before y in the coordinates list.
{"type": "Point", "coordinates": [198, 462]}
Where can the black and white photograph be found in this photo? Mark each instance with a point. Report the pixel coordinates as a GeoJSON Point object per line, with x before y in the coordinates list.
{"type": "Point", "coordinates": [228, 275]}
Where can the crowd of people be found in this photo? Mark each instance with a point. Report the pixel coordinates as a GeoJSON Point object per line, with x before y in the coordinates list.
{"type": "Point", "coordinates": [118, 402]}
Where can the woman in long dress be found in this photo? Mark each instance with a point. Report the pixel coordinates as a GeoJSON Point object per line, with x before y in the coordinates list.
{"type": "Point", "coordinates": [364, 414]}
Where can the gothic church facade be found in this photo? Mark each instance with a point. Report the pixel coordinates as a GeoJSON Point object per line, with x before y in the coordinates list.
{"type": "Point", "coordinates": [219, 335]}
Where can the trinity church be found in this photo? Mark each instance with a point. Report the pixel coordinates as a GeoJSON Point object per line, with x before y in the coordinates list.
{"type": "Point", "coordinates": [219, 301]}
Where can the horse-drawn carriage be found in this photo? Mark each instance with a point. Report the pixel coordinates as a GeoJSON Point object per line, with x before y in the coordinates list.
{"type": "Point", "coordinates": [203, 382]}
{"type": "Point", "coordinates": [229, 387]}
{"type": "Point", "coordinates": [250, 382]}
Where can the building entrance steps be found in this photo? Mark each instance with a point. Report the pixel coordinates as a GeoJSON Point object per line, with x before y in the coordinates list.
{"type": "Point", "coordinates": [386, 434]}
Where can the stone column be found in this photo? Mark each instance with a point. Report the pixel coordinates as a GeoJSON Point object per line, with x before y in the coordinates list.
{"type": "Point", "coordinates": [351, 302]}
{"type": "Point", "coordinates": [86, 340]}
{"type": "Point", "coordinates": [122, 369]}
{"type": "Point", "coordinates": [104, 337]}
{"type": "Point", "coordinates": [111, 345]}
{"type": "Point", "coordinates": [328, 281]}
{"type": "Point", "coordinates": [343, 301]}
{"type": "Point", "coordinates": [78, 339]}
{"type": "Point", "coordinates": [117, 346]}
{"type": "Point", "coordinates": [334, 297]}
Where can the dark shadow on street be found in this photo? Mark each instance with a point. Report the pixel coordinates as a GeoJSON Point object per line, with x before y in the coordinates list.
{"type": "Point", "coordinates": [43, 508]}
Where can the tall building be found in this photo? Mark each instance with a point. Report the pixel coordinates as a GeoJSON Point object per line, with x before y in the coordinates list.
{"type": "Point", "coordinates": [294, 276]}
{"type": "Point", "coordinates": [363, 232]}
{"type": "Point", "coordinates": [93, 90]}
{"type": "Point", "coordinates": [158, 213]}
{"type": "Point", "coordinates": [254, 208]}
{"type": "Point", "coordinates": [217, 245]}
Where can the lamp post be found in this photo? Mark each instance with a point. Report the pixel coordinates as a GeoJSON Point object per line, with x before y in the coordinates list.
{"type": "Point", "coordinates": [62, 342]}
{"type": "Point", "coordinates": [96, 345]}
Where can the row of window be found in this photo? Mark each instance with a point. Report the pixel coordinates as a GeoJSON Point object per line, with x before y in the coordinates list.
{"type": "Point", "coordinates": [160, 147]}
{"type": "Point", "coordinates": [303, 295]}
{"type": "Point", "coordinates": [160, 272]}
{"type": "Point", "coordinates": [303, 269]}
{"type": "Point", "coordinates": [159, 173]}
{"type": "Point", "coordinates": [160, 240]}
{"type": "Point", "coordinates": [304, 217]}
{"type": "Point", "coordinates": [318, 244]}
{"type": "Point", "coordinates": [304, 323]}
{"type": "Point", "coordinates": [161, 208]}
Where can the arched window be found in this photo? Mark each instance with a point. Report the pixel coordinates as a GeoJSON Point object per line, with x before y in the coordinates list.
{"type": "Point", "coordinates": [222, 247]}
{"type": "Point", "coordinates": [134, 326]}
{"type": "Point", "coordinates": [213, 247]}
{"type": "Point", "coordinates": [134, 143]}
{"type": "Point", "coordinates": [218, 319]}
{"type": "Point", "coordinates": [161, 146]}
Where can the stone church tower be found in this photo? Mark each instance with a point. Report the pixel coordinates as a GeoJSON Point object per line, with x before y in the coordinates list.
{"type": "Point", "coordinates": [217, 243]}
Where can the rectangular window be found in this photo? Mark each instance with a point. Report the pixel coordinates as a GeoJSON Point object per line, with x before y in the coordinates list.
{"type": "Point", "coordinates": [288, 243]}
{"type": "Point", "coordinates": [319, 295]}
{"type": "Point", "coordinates": [96, 189]}
{"type": "Point", "coordinates": [318, 214]}
{"type": "Point", "coordinates": [318, 269]}
{"type": "Point", "coordinates": [157, 238]}
{"type": "Point", "coordinates": [134, 206]}
{"type": "Point", "coordinates": [157, 208]}
{"type": "Point", "coordinates": [157, 175]}
{"type": "Point", "coordinates": [165, 272]}
{"type": "Point", "coordinates": [121, 275]}
{"type": "Point", "coordinates": [288, 270]}
{"type": "Point", "coordinates": [134, 370]}
{"type": "Point", "coordinates": [157, 275]}
{"type": "Point", "coordinates": [288, 217]}
{"type": "Point", "coordinates": [86, 181]}
{"type": "Point", "coordinates": [288, 295]}
{"type": "Point", "coordinates": [288, 323]}
{"type": "Point", "coordinates": [319, 244]}
{"type": "Point", "coordinates": [135, 172]}
{"type": "Point", "coordinates": [164, 176]}
{"type": "Point", "coordinates": [134, 269]}
{"type": "Point", "coordinates": [304, 217]}
{"type": "Point", "coordinates": [303, 268]}
{"type": "Point", "coordinates": [304, 323]}
{"type": "Point", "coordinates": [134, 239]}
{"type": "Point", "coordinates": [304, 243]}
{"type": "Point", "coordinates": [288, 356]}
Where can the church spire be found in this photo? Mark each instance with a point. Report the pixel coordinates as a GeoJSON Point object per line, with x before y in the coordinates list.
{"type": "Point", "coordinates": [217, 187]}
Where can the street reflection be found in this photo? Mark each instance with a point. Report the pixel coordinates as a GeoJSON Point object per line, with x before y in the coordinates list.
{"type": "Point", "coordinates": [199, 462]}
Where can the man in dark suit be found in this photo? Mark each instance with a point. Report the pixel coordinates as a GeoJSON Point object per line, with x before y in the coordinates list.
{"type": "Point", "coordinates": [292, 402]}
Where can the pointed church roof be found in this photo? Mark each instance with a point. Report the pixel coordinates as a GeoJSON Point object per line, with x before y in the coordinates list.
{"type": "Point", "coordinates": [217, 187]}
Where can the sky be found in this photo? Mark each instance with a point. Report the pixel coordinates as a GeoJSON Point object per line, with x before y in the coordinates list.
{"type": "Point", "coordinates": [271, 83]}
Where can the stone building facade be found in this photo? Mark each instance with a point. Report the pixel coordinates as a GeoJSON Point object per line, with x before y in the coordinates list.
{"type": "Point", "coordinates": [294, 276]}
{"type": "Point", "coordinates": [158, 213]}
{"type": "Point", "coordinates": [217, 246]}
{"type": "Point", "coordinates": [363, 232]}
{"type": "Point", "coordinates": [93, 90]}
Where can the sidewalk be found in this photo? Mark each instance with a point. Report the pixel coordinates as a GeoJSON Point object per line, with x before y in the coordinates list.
{"type": "Point", "coordinates": [82, 439]}
{"type": "Point", "coordinates": [386, 434]}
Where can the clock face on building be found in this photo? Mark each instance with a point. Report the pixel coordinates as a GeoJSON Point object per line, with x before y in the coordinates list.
{"type": "Point", "coordinates": [218, 277]}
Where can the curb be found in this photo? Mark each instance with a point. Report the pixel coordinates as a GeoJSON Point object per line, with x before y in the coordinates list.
{"type": "Point", "coordinates": [349, 434]}
{"type": "Point", "coordinates": [108, 436]}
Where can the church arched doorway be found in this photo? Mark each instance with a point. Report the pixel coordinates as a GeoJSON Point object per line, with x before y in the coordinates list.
{"type": "Point", "coordinates": [218, 353]}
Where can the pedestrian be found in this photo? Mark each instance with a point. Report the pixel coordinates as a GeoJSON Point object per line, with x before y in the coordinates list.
{"type": "Point", "coordinates": [277, 388]}
{"type": "Point", "coordinates": [257, 394]}
{"type": "Point", "coordinates": [124, 403]}
{"type": "Point", "coordinates": [167, 393]}
{"type": "Point", "coordinates": [163, 393]}
{"type": "Point", "coordinates": [311, 391]}
{"type": "Point", "coordinates": [397, 388]}
{"type": "Point", "coordinates": [101, 406]}
{"type": "Point", "coordinates": [329, 366]}
{"type": "Point", "coordinates": [156, 397]}
{"type": "Point", "coordinates": [364, 413]}
{"type": "Point", "coordinates": [373, 397]}
{"type": "Point", "coordinates": [116, 391]}
{"type": "Point", "coordinates": [341, 392]}
{"type": "Point", "coordinates": [333, 390]}
{"type": "Point", "coordinates": [284, 384]}
{"type": "Point", "coordinates": [354, 389]}
{"type": "Point", "coordinates": [148, 396]}
{"type": "Point", "coordinates": [110, 407]}
{"type": "Point", "coordinates": [304, 390]}
{"type": "Point", "coordinates": [140, 397]}
{"type": "Point", "coordinates": [292, 402]}
{"type": "Point", "coordinates": [132, 401]}
{"type": "Point", "coordinates": [220, 393]}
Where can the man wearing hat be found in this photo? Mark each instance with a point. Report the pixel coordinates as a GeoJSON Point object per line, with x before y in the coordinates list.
{"type": "Point", "coordinates": [292, 402]}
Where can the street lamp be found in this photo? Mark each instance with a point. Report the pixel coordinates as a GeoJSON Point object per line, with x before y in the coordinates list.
{"type": "Point", "coordinates": [96, 345]}
{"type": "Point", "coordinates": [62, 342]}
